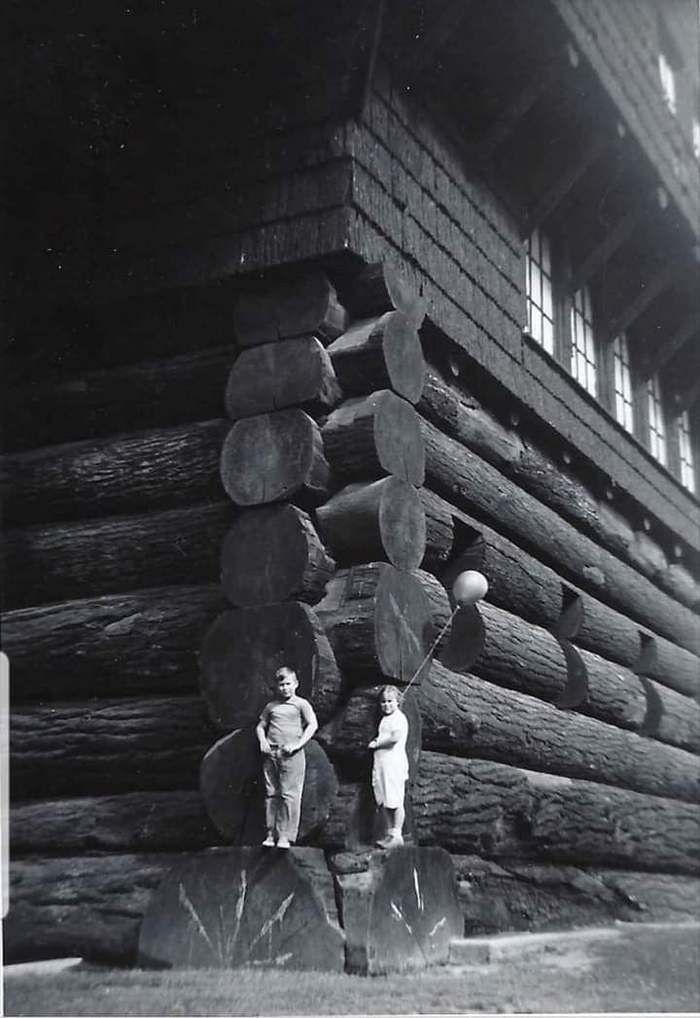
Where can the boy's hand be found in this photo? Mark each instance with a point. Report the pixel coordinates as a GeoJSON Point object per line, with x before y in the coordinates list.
{"type": "Point", "coordinates": [265, 747]}
{"type": "Point", "coordinates": [290, 748]}
{"type": "Point", "coordinates": [372, 744]}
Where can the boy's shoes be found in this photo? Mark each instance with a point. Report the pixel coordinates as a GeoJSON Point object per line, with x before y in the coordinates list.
{"type": "Point", "coordinates": [283, 843]}
{"type": "Point", "coordinates": [269, 842]}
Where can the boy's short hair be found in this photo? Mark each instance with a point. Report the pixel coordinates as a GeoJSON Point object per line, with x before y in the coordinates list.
{"type": "Point", "coordinates": [285, 673]}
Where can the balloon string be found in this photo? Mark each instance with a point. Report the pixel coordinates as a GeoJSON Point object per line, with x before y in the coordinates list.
{"type": "Point", "coordinates": [430, 652]}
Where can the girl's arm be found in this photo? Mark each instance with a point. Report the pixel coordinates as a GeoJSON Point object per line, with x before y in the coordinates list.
{"type": "Point", "coordinates": [386, 741]}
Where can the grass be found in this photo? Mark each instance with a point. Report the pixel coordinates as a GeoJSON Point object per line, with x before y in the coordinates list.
{"type": "Point", "coordinates": [643, 971]}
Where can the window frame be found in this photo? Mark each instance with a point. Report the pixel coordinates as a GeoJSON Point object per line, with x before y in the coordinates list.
{"type": "Point", "coordinates": [656, 429]}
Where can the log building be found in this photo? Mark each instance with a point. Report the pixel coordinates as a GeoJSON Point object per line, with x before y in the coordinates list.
{"type": "Point", "coordinates": [307, 311]}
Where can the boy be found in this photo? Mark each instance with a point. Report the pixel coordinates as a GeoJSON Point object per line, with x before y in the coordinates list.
{"type": "Point", "coordinates": [390, 766]}
{"type": "Point", "coordinates": [285, 726]}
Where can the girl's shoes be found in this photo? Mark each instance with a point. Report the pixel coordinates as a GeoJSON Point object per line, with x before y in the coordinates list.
{"type": "Point", "coordinates": [269, 842]}
{"type": "Point", "coordinates": [283, 843]}
{"type": "Point", "coordinates": [390, 841]}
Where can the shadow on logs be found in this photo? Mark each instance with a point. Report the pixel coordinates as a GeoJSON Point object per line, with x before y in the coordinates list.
{"type": "Point", "coordinates": [231, 784]}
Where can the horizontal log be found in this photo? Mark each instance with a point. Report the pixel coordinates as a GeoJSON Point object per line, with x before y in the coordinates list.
{"type": "Point", "coordinates": [502, 811]}
{"type": "Point", "coordinates": [231, 783]}
{"type": "Point", "coordinates": [132, 822]}
{"type": "Point", "coordinates": [383, 520]}
{"type": "Point", "coordinates": [273, 554]}
{"type": "Point", "coordinates": [380, 353]}
{"type": "Point", "coordinates": [275, 457]}
{"type": "Point", "coordinates": [465, 715]}
{"type": "Point", "coordinates": [526, 587]}
{"type": "Point", "coordinates": [462, 416]}
{"type": "Point", "coordinates": [147, 470]}
{"type": "Point", "coordinates": [303, 304]}
{"type": "Point", "coordinates": [115, 645]}
{"type": "Point", "coordinates": [244, 647]}
{"type": "Point", "coordinates": [439, 531]}
{"type": "Point", "coordinates": [508, 895]}
{"type": "Point", "coordinates": [61, 561]}
{"type": "Point", "coordinates": [380, 287]}
{"type": "Point", "coordinates": [150, 394]}
{"type": "Point", "coordinates": [456, 473]}
{"type": "Point", "coordinates": [378, 621]}
{"type": "Point", "coordinates": [95, 747]}
{"type": "Point", "coordinates": [370, 436]}
{"type": "Point", "coordinates": [278, 375]}
{"type": "Point", "coordinates": [97, 914]}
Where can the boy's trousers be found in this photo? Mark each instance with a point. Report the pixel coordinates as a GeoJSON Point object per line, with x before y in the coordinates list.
{"type": "Point", "coordinates": [284, 783]}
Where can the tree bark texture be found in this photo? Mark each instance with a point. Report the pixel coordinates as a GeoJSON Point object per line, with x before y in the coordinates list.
{"type": "Point", "coordinates": [380, 353]}
{"type": "Point", "coordinates": [524, 896]}
{"type": "Point", "coordinates": [460, 415]}
{"type": "Point", "coordinates": [273, 554]}
{"type": "Point", "coordinates": [367, 437]}
{"type": "Point", "coordinates": [378, 621]}
{"type": "Point", "coordinates": [274, 458]}
{"type": "Point", "coordinates": [465, 715]}
{"type": "Point", "coordinates": [502, 811]}
{"type": "Point", "coordinates": [133, 822]}
{"type": "Point", "coordinates": [439, 531]}
{"type": "Point", "coordinates": [302, 305]}
{"type": "Point", "coordinates": [380, 287]}
{"type": "Point", "coordinates": [143, 471]}
{"type": "Point", "coordinates": [383, 520]}
{"type": "Point", "coordinates": [118, 644]}
{"type": "Point", "coordinates": [232, 787]}
{"type": "Point", "coordinates": [456, 473]}
{"type": "Point", "coordinates": [96, 915]}
{"type": "Point", "coordinates": [98, 747]}
{"type": "Point", "coordinates": [62, 561]}
{"type": "Point", "coordinates": [278, 375]}
{"type": "Point", "coordinates": [150, 394]}
{"type": "Point", "coordinates": [675, 667]}
{"type": "Point", "coordinates": [243, 649]}
{"type": "Point", "coordinates": [234, 907]}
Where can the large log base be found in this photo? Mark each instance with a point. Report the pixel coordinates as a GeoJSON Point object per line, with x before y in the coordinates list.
{"type": "Point", "coordinates": [399, 908]}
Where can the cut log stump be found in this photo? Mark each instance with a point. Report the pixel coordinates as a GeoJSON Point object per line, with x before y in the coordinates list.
{"type": "Point", "coordinates": [380, 353]}
{"type": "Point", "coordinates": [367, 437]}
{"type": "Point", "coordinates": [244, 648]}
{"type": "Point", "coordinates": [275, 457]}
{"type": "Point", "coordinates": [300, 305]}
{"type": "Point", "coordinates": [245, 906]}
{"type": "Point", "coordinates": [273, 554]}
{"type": "Point", "coordinates": [400, 908]}
{"type": "Point", "coordinates": [383, 520]}
{"type": "Point", "coordinates": [231, 783]}
{"type": "Point", "coordinates": [278, 375]}
{"type": "Point", "coordinates": [378, 620]}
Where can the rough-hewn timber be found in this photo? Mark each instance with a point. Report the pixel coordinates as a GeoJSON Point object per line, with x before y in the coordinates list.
{"type": "Point", "coordinates": [380, 353]}
{"type": "Point", "coordinates": [303, 305]}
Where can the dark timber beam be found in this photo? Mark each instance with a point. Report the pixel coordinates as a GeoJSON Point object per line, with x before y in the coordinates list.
{"type": "Point", "coordinates": [602, 252]}
{"type": "Point", "coordinates": [505, 124]}
{"type": "Point", "coordinates": [648, 293]}
{"type": "Point", "coordinates": [689, 398]}
{"type": "Point", "coordinates": [552, 196]}
{"type": "Point", "coordinates": [668, 350]}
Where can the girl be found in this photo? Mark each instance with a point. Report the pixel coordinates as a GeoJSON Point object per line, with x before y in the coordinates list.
{"type": "Point", "coordinates": [390, 766]}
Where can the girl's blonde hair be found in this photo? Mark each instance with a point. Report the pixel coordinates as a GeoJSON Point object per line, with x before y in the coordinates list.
{"type": "Point", "coordinates": [390, 689]}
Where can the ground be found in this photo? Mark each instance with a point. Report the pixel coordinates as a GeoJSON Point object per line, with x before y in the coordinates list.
{"type": "Point", "coordinates": [645, 968]}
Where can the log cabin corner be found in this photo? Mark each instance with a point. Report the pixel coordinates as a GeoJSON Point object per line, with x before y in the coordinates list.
{"type": "Point", "coordinates": [306, 312]}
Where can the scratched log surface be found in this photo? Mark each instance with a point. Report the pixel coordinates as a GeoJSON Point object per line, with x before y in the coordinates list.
{"type": "Point", "coordinates": [380, 353]}
{"type": "Point", "coordinates": [302, 304]}
{"type": "Point", "coordinates": [400, 908]}
{"type": "Point", "coordinates": [247, 906]}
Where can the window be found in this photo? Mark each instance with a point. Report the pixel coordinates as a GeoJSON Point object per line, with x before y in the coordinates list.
{"type": "Point", "coordinates": [685, 451]}
{"type": "Point", "coordinates": [657, 427]}
{"type": "Point", "coordinates": [583, 357]}
{"type": "Point", "coordinates": [696, 137]}
{"type": "Point", "coordinates": [668, 82]}
{"type": "Point", "coordinates": [540, 302]}
{"type": "Point", "coordinates": [624, 402]}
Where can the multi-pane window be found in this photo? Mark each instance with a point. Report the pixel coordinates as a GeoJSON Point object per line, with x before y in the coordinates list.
{"type": "Point", "coordinates": [657, 427]}
{"type": "Point", "coordinates": [668, 82]}
{"type": "Point", "coordinates": [696, 138]}
{"type": "Point", "coordinates": [685, 451]}
{"type": "Point", "coordinates": [583, 356]}
{"type": "Point", "coordinates": [624, 402]}
{"type": "Point", "coordinates": [540, 301]}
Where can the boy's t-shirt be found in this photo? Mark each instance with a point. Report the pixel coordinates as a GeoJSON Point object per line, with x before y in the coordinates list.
{"type": "Point", "coordinates": [285, 720]}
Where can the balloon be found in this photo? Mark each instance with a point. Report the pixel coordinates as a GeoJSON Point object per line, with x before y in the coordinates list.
{"type": "Point", "coordinates": [469, 587]}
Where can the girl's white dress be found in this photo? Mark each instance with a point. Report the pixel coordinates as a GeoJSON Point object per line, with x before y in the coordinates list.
{"type": "Point", "coordinates": [390, 766]}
